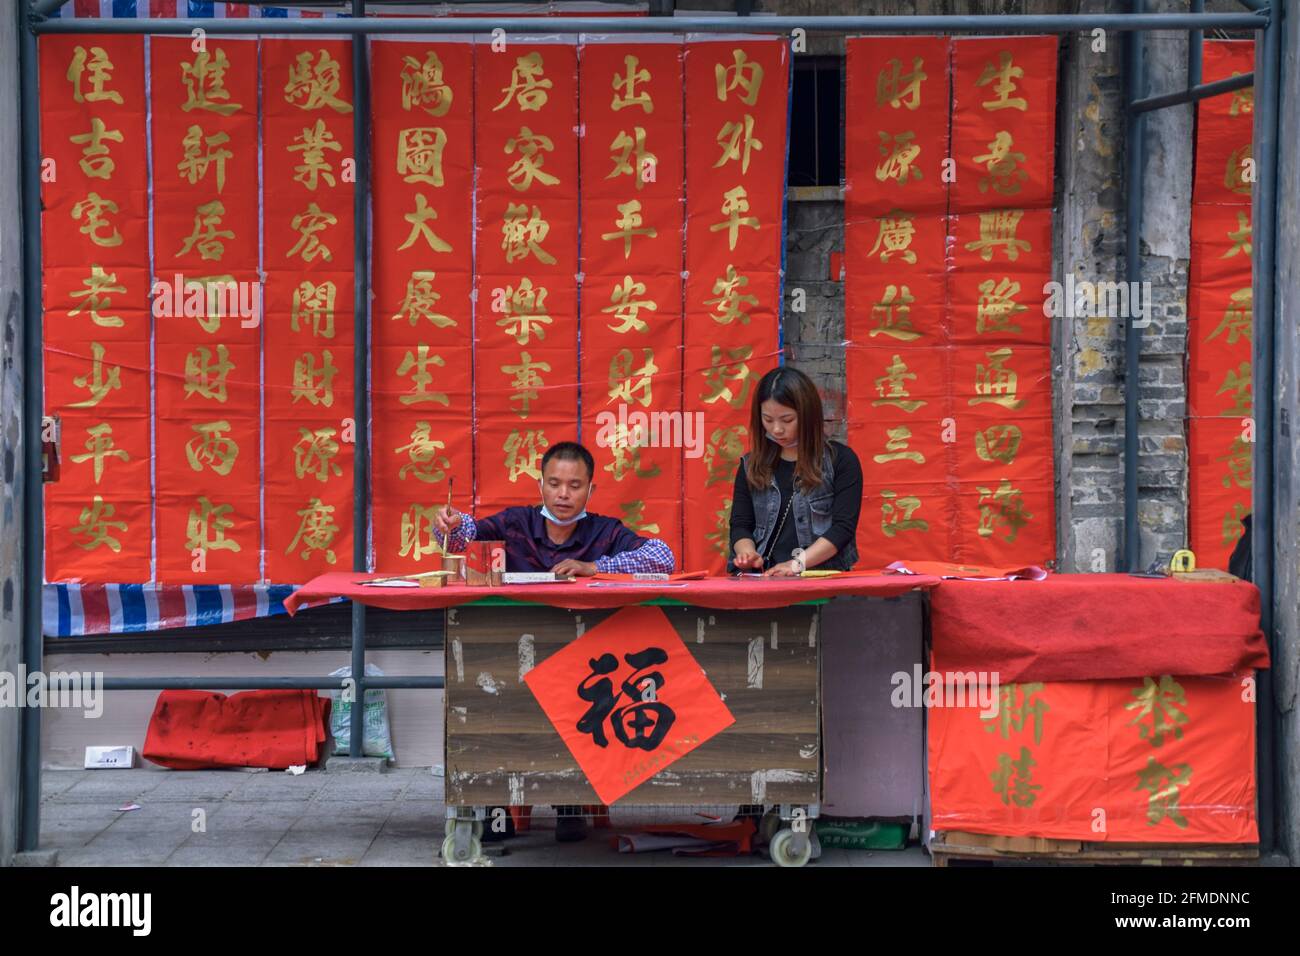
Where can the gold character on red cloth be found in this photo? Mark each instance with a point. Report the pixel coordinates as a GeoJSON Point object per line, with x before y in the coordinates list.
{"type": "Point", "coordinates": [729, 302]}
{"type": "Point", "coordinates": [1243, 101]}
{"type": "Point", "coordinates": [312, 86]}
{"type": "Point", "coordinates": [1004, 507]}
{"type": "Point", "coordinates": [419, 220]}
{"type": "Point", "coordinates": [99, 446]}
{"type": "Point", "coordinates": [96, 522]}
{"type": "Point", "coordinates": [738, 141]}
{"type": "Point", "coordinates": [423, 85]}
{"type": "Point", "coordinates": [205, 377]}
{"type": "Point", "coordinates": [417, 534]}
{"type": "Point", "coordinates": [316, 530]}
{"type": "Point", "coordinates": [628, 224]}
{"type": "Point", "coordinates": [998, 443]}
{"type": "Point", "coordinates": [527, 169]}
{"type": "Point", "coordinates": [314, 453]}
{"type": "Point", "coordinates": [526, 381]}
{"type": "Point", "coordinates": [728, 381]}
{"type": "Point", "coordinates": [314, 302]}
{"type": "Point", "coordinates": [896, 447]}
{"type": "Point", "coordinates": [1238, 460]}
{"type": "Point", "coordinates": [1165, 703]}
{"type": "Point", "coordinates": [1238, 385]}
{"type": "Point", "coordinates": [1237, 318]}
{"type": "Point", "coordinates": [207, 526]}
{"type": "Point", "coordinates": [419, 154]}
{"type": "Point", "coordinates": [896, 514]}
{"type": "Point", "coordinates": [522, 234]}
{"type": "Point", "coordinates": [206, 236]}
{"type": "Point", "coordinates": [211, 446]}
{"type": "Point", "coordinates": [626, 305]}
{"type": "Point", "coordinates": [719, 539]}
{"type": "Point", "coordinates": [95, 160]}
{"type": "Point", "coordinates": [897, 88]}
{"type": "Point", "coordinates": [307, 224]}
{"type": "Point", "coordinates": [425, 461]}
{"type": "Point", "coordinates": [895, 237]}
{"type": "Point", "coordinates": [998, 229]}
{"type": "Point", "coordinates": [630, 384]}
{"type": "Point", "coordinates": [93, 209]}
{"type": "Point", "coordinates": [101, 379]}
{"type": "Point", "coordinates": [420, 300]}
{"type": "Point", "coordinates": [524, 452]}
{"type": "Point", "coordinates": [630, 156]}
{"type": "Point", "coordinates": [201, 153]}
{"type": "Point", "coordinates": [724, 449]}
{"type": "Point", "coordinates": [626, 456]}
{"type": "Point", "coordinates": [1232, 528]}
{"type": "Point", "coordinates": [634, 518]}
{"type": "Point", "coordinates": [96, 69]}
{"type": "Point", "coordinates": [1163, 784]}
{"type": "Point", "coordinates": [98, 285]}
{"type": "Point", "coordinates": [893, 314]}
{"type": "Point", "coordinates": [1012, 716]}
{"type": "Point", "coordinates": [994, 383]}
{"type": "Point", "coordinates": [1234, 171]}
{"type": "Point", "coordinates": [900, 154]}
{"type": "Point", "coordinates": [626, 93]}
{"type": "Point", "coordinates": [417, 364]}
{"type": "Point", "coordinates": [892, 387]}
{"type": "Point", "coordinates": [1003, 76]}
{"type": "Point", "coordinates": [735, 202]}
{"type": "Point", "coordinates": [1002, 162]}
{"type": "Point", "coordinates": [528, 84]}
{"type": "Point", "coordinates": [205, 84]}
{"type": "Point", "coordinates": [315, 385]}
{"type": "Point", "coordinates": [743, 74]}
{"type": "Point", "coordinates": [525, 312]}
{"type": "Point", "coordinates": [997, 306]}
{"type": "Point", "coordinates": [1011, 779]}
{"type": "Point", "coordinates": [313, 142]}
{"type": "Point", "coordinates": [1240, 237]}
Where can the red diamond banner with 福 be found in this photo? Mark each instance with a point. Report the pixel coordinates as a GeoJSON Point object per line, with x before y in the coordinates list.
{"type": "Point", "coordinates": [628, 699]}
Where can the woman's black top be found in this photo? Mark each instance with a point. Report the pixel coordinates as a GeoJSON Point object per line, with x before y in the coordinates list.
{"type": "Point", "coordinates": [845, 507]}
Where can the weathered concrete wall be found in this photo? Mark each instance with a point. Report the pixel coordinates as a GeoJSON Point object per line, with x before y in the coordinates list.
{"type": "Point", "coordinates": [11, 510]}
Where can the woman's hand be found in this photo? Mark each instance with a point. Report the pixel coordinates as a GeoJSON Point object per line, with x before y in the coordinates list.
{"type": "Point", "coordinates": [447, 520]}
{"type": "Point", "coordinates": [786, 569]}
{"type": "Point", "coordinates": [747, 557]}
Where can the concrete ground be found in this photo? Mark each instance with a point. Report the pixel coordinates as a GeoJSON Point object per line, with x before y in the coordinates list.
{"type": "Point", "coordinates": [313, 819]}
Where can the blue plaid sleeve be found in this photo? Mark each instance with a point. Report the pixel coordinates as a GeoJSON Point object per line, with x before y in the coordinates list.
{"type": "Point", "coordinates": [462, 536]}
{"type": "Point", "coordinates": [652, 557]}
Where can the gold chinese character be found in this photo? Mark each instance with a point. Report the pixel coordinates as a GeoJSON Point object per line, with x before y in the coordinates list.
{"type": "Point", "coordinates": [1234, 172]}
{"type": "Point", "coordinates": [1243, 101]}
{"type": "Point", "coordinates": [204, 377]}
{"type": "Point", "coordinates": [425, 463]}
{"type": "Point", "coordinates": [526, 381]}
{"type": "Point", "coordinates": [737, 141]}
{"type": "Point", "coordinates": [998, 443]}
{"type": "Point", "coordinates": [724, 449]}
{"type": "Point", "coordinates": [893, 314]}
{"type": "Point", "coordinates": [202, 153]}
{"type": "Point", "coordinates": [1001, 162]}
{"type": "Point", "coordinates": [892, 387]}
{"type": "Point", "coordinates": [630, 384]}
{"type": "Point", "coordinates": [211, 446]}
{"type": "Point", "coordinates": [742, 74]}
{"type": "Point", "coordinates": [207, 526]}
{"type": "Point", "coordinates": [628, 221]}
{"type": "Point", "coordinates": [418, 536]}
{"type": "Point", "coordinates": [625, 91]}
{"type": "Point", "coordinates": [995, 384]}
{"type": "Point", "coordinates": [316, 385]}
{"type": "Point", "coordinates": [100, 69]}
{"type": "Point", "coordinates": [99, 383]}
{"type": "Point", "coordinates": [896, 447]}
{"type": "Point", "coordinates": [1004, 507]}
{"type": "Point", "coordinates": [997, 306]}
{"type": "Point", "coordinates": [206, 236]}
{"type": "Point", "coordinates": [728, 304]}
{"type": "Point", "coordinates": [626, 306]}
{"type": "Point", "coordinates": [314, 302]}
{"type": "Point", "coordinates": [1237, 318]}
{"type": "Point", "coordinates": [98, 285]}
{"type": "Point", "coordinates": [98, 447]}
{"type": "Point", "coordinates": [420, 299]}
{"type": "Point", "coordinates": [419, 154]}
{"type": "Point", "coordinates": [634, 518]}
{"type": "Point", "coordinates": [728, 381]}
{"type": "Point", "coordinates": [1238, 460]}
{"type": "Point", "coordinates": [998, 228]}
{"type": "Point", "coordinates": [626, 457]}
{"type": "Point", "coordinates": [416, 364]}
{"type": "Point", "coordinates": [630, 156]}
{"type": "Point", "coordinates": [527, 85]}
{"type": "Point", "coordinates": [316, 530]}
{"type": "Point", "coordinates": [1238, 384]}
{"type": "Point", "coordinates": [523, 234]}
{"type": "Point", "coordinates": [1232, 528]}
{"type": "Point", "coordinates": [734, 203]}
{"type": "Point", "coordinates": [419, 220]}
{"type": "Point", "coordinates": [1006, 73]}
{"type": "Point", "coordinates": [314, 85]}
{"type": "Point", "coordinates": [95, 161]}
{"type": "Point", "coordinates": [896, 514]}
{"type": "Point", "coordinates": [307, 224]}
{"type": "Point", "coordinates": [314, 453]}
{"type": "Point", "coordinates": [900, 157]}
{"type": "Point", "coordinates": [897, 88]}
{"type": "Point", "coordinates": [525, 312]}
{"type": "Point", "coordinates": [895, 237]}
{"type": "Point", "coordinates": [524, 452]}
{"type": "Point", "coordinates": [528, 167]}
{"type": "Point", "coordinates": [313, 142]}
{"type": "Point", "coordinates": [1240, 237]}
{"type": "Point", "coordinates": [205, 84]}
{"type": "Point", "coordinates": [95, 522]}
{"type": "Point", "coordinates": [423, 85]}
{"type": "Point", "coordinates": [93, 208]}
{"type": "Point", "coordinates": [719, 537]}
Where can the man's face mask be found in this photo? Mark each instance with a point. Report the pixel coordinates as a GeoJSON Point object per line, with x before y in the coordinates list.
{"type": "Point", "coordinates": [563, 522]}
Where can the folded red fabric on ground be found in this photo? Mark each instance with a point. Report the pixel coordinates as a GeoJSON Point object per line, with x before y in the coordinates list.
{"type": "Point", "coordinates": [198, 729]}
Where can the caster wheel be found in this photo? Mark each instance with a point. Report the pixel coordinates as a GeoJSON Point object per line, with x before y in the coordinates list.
{"type": "Point", "coordinates": [450, 827]}
{"type": "Point", "coordinates": [473, 850]}
{"type": "Point", "coordinates": [768, 826]}
{"type": "Point", "coordinates": [790, 849]}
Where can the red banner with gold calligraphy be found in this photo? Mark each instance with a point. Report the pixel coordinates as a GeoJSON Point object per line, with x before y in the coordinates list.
{"type": "Point", "coordinates": [308, 176]}
{"type": "Point", "coordinates": [633, 155]}
{"type": "Point", "coordinates": [737, 110]}
{"type": "Point", "coordinates": [95, 253]}
{"type": "Point", "coordinates": [1220, 440]}
{"type": "Point", "coordinates": [422, 260]}
{"type": "Point", "coordinates": [1149, 760]}
{"type": "Point", "coordinates": [526, 326]}
{"type": "Point", "coordinates": [207, 331]}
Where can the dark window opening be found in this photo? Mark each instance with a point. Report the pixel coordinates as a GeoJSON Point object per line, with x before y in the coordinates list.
{"type": "Point", "coordinates": [816, 122]}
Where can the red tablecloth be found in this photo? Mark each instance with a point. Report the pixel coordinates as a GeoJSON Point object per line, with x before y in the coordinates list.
{"type": "Point", "coordinates": [725, 593]}
{"type": "Point", "coordinates": [1096, 626]}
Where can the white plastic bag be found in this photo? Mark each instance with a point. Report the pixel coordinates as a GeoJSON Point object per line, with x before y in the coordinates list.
{"type": "Point", "coordinates": [377, 740]}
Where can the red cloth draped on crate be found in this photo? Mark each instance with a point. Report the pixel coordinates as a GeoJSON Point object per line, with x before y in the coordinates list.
{"type": "Point", "coordinates": [199, 729]}
{"type": "Point", "coordinates": [1096, 627]}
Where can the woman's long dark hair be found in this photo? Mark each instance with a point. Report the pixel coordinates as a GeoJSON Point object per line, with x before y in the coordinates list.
{"type": "Point", "coordinates": [787, 386]}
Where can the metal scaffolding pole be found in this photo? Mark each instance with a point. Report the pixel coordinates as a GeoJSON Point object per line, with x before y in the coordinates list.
{"type": "Point", "coordinates": [1134, 162]}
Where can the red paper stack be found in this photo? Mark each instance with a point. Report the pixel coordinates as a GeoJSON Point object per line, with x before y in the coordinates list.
{"type": "Point", "coordinates": [198, 729]}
